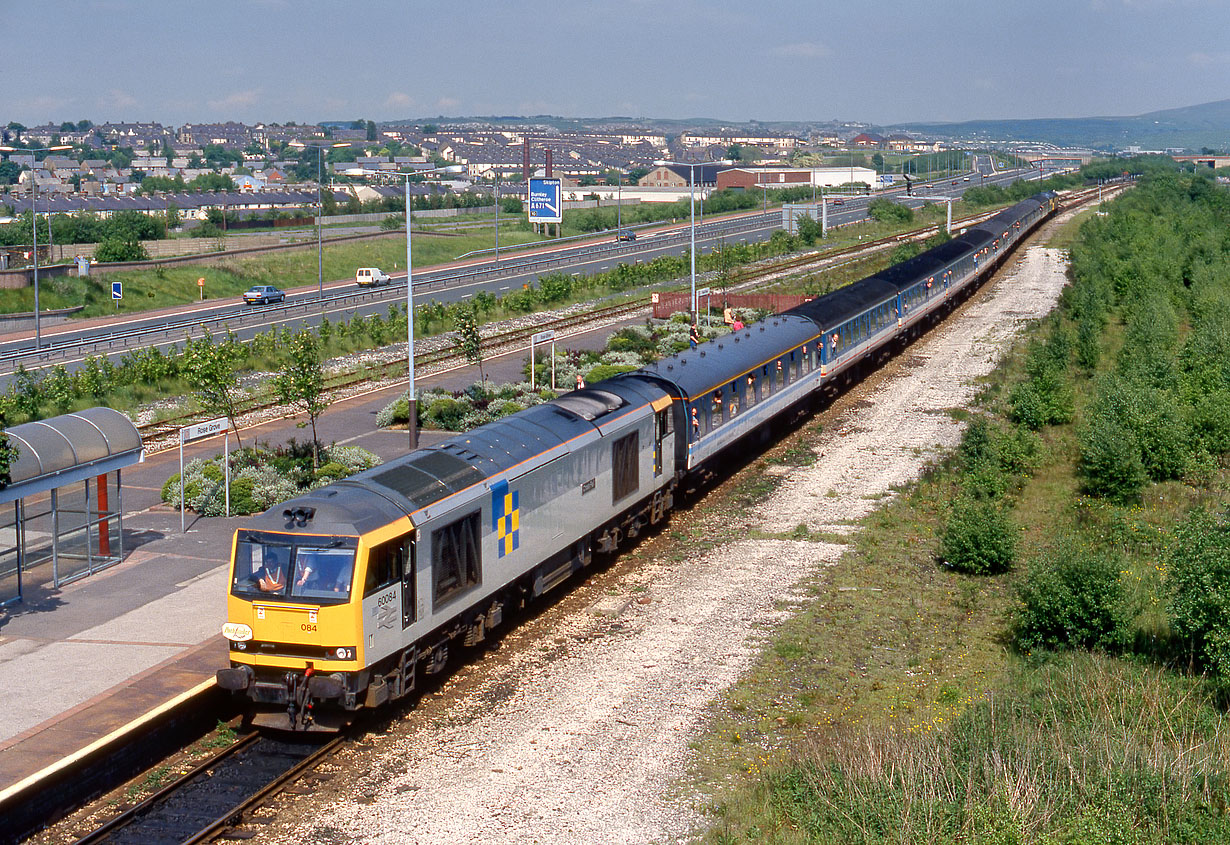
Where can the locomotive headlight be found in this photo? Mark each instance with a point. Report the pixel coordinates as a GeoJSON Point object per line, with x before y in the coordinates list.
{"type": "Point", "coordinates": [237, 632]}
{"type": "Point", "coordinates": [343, 653]}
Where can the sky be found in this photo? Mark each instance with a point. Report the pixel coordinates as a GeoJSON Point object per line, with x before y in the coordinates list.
{"type": "Point", "coordinates": [875, 61]}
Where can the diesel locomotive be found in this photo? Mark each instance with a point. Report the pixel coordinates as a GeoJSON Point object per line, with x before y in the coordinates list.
{"type": "Point", "coordinates": [339, 598]}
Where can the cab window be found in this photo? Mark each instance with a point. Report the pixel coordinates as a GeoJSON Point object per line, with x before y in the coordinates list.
{"type": "Point", "coordinates": [385, 565]}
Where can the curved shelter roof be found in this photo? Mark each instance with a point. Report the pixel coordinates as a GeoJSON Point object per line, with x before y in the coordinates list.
{"type": "Point", "coordinates": [59, 451]}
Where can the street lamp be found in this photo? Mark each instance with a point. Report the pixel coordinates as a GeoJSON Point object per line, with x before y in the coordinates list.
{"type": "Point", "coordinates": [320, 209]}
{"type": "Point", "coordinates": [691, 165]}
{"type": "Point", "coordinates": [38, 335]}
{"type": "Point", "coordinates": [412, 399]}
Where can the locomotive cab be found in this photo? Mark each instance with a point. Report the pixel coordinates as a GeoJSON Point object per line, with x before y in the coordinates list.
{"type": "Point", "coordinates": [307, 611]}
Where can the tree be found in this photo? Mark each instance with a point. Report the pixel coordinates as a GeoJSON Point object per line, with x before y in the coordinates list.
{"type": "Point", "coordinates": [120, 249]}
{"type": "Point", "coordinates": [468, 338]}
{"type": "Point", "coordinates": [809, 229]}
{"type": "Point", "coordinates": [213, 369]}
{"type": "Point", "coordinates": [877, 161]}
{"type": "Point", "coordinates": [9, 173]}
{"type": "Point", "coordinates": [8, 454]}
{"type": "Point", "coordinates": [301, 383]}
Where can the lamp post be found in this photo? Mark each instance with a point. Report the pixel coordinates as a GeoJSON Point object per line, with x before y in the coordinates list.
{"type": "Point", "coordinates": [691, 165]}
{"type": "Point", "coordinates": [411, 398]}
{"type": "Point", "coordinates": [619, 204]}
{"type": "Point", "coordinates": [320, 209]}
{"type": "Point", "coordinates": [38, 335]}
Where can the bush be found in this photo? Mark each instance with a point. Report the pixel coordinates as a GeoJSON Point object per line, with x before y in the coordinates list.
{"type": "Point", "coordinates": [605, 371]}
{"type": "Point", "coordinates": [260, 478]}
{"type": "Point", "coordinates": [979, 538]}
{"type": "Point", "coordinates": [1198, 566]}
{"type": "Point", "coordinates": [1072, 598]}
{"type": "Point", "coordinates": [116, 249]}
{"type": "Point", "coordinates": [444, 413]}
{"type": "Point", "coordinates": [1110, 464]}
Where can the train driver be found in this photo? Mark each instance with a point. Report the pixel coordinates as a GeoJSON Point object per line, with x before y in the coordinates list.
{"type": "Point", "coordinates": [271, 577]}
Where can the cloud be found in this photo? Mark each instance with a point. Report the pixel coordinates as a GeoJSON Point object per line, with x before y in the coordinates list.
{"type": "Point", "coordinates": [447, 103]}
{"type": "Point", "coordinates": [46, 104]}
{"type": "Point", "coordinates": [1208, 59]}
{"type": "Point", "coordinates": [801, 50]}
{"type": "Point", "coordinates": [398, 100]}
{"type": "Point", "coordinates": [117, 99]}
{"type": "Point", "coordinates": [236, 101]}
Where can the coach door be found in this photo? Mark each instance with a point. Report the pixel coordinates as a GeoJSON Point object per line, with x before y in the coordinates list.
{"type": "Point", "coordinates": [663, 427]}
{"type": "Point", "coordinates": [407, 586]}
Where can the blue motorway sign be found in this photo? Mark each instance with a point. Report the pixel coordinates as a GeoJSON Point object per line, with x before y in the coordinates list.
{"type": "Point", "coordinates": [546, 201]}
{"type": "Point", "coordinates": [117, 290]}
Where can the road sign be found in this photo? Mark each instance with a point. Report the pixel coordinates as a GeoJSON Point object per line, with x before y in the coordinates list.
{"type": "Point", "coordinates": [702, 292]}
{"type": "Point", "coordinates": [195, 432]}
{"type": "Point", "coordinates": [117, 290]}
{"type": "Point", "coordinates": [546, 201]}
{"type": "Point", "coordinates": [200, 283]}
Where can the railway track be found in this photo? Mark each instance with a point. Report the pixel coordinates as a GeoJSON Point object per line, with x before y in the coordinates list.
{"type": "Point", "coordinates": [445, 356]}
{"type": "Point", "coordinates": [216, 794]}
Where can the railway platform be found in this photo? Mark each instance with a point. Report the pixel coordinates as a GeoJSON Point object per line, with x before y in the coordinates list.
{"type": "Point", "coordinates": [94, 663]}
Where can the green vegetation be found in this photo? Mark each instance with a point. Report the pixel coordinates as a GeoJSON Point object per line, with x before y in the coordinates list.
{"type": "Point", "coordinates": [261, 477]}
{"type": "Point", "coordinates": [1094, 478]}
{"type": "Point", "coordinates": [627, 349]}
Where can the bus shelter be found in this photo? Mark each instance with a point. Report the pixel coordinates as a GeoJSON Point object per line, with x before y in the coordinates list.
{"type": "Point", "coordinates": [63, 506]}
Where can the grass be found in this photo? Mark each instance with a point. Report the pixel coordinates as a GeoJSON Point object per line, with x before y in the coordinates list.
{"type": "Point", "coordinates": [176, 285]}
{"type": "Point", "coordinates": [890, 708]}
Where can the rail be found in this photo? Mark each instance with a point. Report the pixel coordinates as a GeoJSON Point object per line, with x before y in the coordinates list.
{"type": "Point", "coordinates": [215, 793]}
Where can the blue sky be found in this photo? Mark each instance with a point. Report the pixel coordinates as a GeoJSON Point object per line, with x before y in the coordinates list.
{"type": "Point", "coordinates": [880, 61]}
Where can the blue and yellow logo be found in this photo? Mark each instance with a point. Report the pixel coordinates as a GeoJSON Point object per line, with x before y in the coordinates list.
{"type": "Point", "coordinates": [505, 518]}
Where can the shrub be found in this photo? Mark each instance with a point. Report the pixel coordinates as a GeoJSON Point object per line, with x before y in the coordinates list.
{"type": "Point", "coordinates": [397, 411]}
{"type": "Point", "coordinates": [120, 249]}
{"type": "Point", "coordinates": [1072, 598]}
{"type": "Point", "coordinates": [978, 538]}
{"type": "Point", "coordinates": [1198, 567]}
{"type": "Point", "coordinates": [444, 413]}
{"type": "Point", "coordinates": [605, 371]}
{"type": "Point", "coordinates": [1110, 465]}
{"type": "Point", "coordinates": [1210, 421]}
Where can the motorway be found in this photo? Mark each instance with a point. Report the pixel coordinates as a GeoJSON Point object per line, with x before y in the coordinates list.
{"type": "Point", "coordinates": [70, 343]}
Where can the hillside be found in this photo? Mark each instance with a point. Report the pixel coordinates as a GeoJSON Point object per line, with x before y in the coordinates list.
{"type": "Point", "coordinates": [1193, 127]}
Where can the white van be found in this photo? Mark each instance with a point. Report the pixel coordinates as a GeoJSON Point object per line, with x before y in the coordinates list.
{"type": "Point", "coordinates": [370, 277]}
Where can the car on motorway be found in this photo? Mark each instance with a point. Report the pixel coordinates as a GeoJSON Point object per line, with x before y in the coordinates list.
{"type": "Point", "coordinates": [966, 178]}
{"type": "Point", "coordinates": [262, 295]}
{"type": "Point", "coordinates": [954, 181]}
{"type": "Point", "coordinates": [626, 236]}
{"type": "Point", "coordinates": [839, 201]}
{"type": "Point", "coordinates": [370, 277]}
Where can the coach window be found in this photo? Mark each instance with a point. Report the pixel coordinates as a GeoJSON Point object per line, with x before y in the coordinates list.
{"type": "Point", "coordinates": [457, 557]}
{"type": "Point", "coordinates": [749, 391]}
{"type": "Point", "coordinates": [779, 380]}
{"type": "Point", "coordinates": [625, 469]}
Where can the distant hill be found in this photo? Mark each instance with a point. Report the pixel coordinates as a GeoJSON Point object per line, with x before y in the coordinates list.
{"type": "Point", "coordinates": [1192, 127]}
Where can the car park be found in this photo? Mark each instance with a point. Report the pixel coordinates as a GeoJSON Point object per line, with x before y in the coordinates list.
{"type": "Point", "coordinates": [262, 295]}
